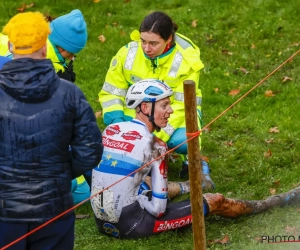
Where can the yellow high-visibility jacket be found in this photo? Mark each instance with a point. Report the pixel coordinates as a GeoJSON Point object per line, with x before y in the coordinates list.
{"type": "Point", "coordinates": [52, 53]}
{"type": "Point", "coordinates": [130, 65]}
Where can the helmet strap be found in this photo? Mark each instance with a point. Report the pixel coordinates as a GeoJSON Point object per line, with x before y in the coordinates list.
{"type": "Point", "coordinates": [151, 117]}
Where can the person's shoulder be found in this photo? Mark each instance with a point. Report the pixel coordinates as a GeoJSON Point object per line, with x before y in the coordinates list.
{"type": "Point", "coordinates": [125, 48]}
{"type": "Point", "coordinates": [189, 51]}
{"type": "Point", "coordinates": [185, 43]}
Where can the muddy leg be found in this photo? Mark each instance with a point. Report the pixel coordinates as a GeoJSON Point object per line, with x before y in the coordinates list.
{"type": "Point", "coordinates": [226, 207]}
{"type": "Point", "coordinates": [285, 199]}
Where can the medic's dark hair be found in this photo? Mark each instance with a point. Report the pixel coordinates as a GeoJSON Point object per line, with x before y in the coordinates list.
{"type": "Point", "coordinates": [160, 24]}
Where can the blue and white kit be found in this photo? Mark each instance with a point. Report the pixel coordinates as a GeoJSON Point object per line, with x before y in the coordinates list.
{"type": "Point", "coordinates": [120, 210]}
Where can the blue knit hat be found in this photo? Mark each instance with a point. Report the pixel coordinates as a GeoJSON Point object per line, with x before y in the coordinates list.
{"type": "Point", "coordinates": [69, 32]}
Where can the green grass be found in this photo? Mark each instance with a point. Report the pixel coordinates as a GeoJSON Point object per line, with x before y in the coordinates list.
{"type": "Point", "coordinates": [241, 170]}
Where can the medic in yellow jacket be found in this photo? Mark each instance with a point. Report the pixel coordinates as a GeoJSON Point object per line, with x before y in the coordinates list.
{"type": "Point", "coordinates": [158, 52]}
{"type": "Point", "coordinates": [181, 62]}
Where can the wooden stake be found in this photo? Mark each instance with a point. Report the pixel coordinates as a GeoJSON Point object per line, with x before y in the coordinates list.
{"type": "Point", "coordinates": [195, 166]}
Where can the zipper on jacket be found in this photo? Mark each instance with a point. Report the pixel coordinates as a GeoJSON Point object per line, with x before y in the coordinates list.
{"type": "Point", "coordinates": [153, 65]}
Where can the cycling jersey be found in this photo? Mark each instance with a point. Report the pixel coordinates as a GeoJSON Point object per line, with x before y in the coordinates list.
{"type": "Point", "coordinates": [120, 210]}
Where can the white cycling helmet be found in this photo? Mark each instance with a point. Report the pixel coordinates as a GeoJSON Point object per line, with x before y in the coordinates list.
{"type": "Point", "coordinates": [148, 90]}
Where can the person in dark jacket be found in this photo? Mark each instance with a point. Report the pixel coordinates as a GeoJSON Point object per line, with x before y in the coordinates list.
{"type": "Point", "coordinates": [40, 116]}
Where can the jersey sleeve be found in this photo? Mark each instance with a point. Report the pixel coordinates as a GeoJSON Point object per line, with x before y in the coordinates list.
{"type": "Point", "coordinates": [157, 205]}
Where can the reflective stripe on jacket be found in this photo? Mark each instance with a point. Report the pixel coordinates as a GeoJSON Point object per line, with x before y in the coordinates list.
{"type": "Point", "coordinates": [130, 65]}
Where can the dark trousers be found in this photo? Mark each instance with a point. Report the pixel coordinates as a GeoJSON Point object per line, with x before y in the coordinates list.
{"type": "Point", "coordinates": [57, 235]}
{"type": "Point", "coordinates": [136, 222]}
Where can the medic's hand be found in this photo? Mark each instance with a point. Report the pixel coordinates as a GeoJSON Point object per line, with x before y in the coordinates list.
{"type": "Point", "coordinates": [67, 75]}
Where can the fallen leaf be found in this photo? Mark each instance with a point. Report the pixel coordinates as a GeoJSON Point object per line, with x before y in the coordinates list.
{"type": "Point", "coordinates": [223, 241]}
{"type": "Point", "coordinates": [258, 239]}
{"type": "Point", "coordinates": [205, 158]}
{"type": "Point", "coordinates": [234, 92]}
{"type": "Point", "coordinates": [22, 8]}
{"type": "Point", "coordinates": [29, 5]}
{"type": "Point", "coordinates": [268, 154]}
{"type": "Point", "coordinates": [101, 38]}
{"type": "Point", "coordinates": [126, 1]}
{"type": "Point", "coordinates": [277, 182]}
{"type": "Point", "coordinates": [269, 93]}
{"type": "Point", "coordinates": [244, 70]}
{"type": "Point", "coordinates": [253, 46]}
{"type": "Point", "coordinates": [274, 130]}
{"type": "Point", "coordinates": [194, 23]}
{"type": "Point", "coordinates": [98, 114]}
{"type": "Point", "coordinates": [272, 191]}
{"type": "Point", "coordinates": [216, 90]}
{"type": "Point", "coordinates": [286, 78]}
{"type": "Point", "coordinates": [96, 1]}
{"type": "Point", "coordinates": [82, 216]}
{"type": "Point", "coordinates": [271, 140]}
{"type": "Point", "coordinates": [229, 143]}
{"type": "Point", "coordinates": [226, 52]}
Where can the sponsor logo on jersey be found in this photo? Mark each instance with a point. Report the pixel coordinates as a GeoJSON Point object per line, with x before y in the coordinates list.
{"type": "Point", "coordinates": [112, 130]}
{"type": "Point", "coordinates": [161, 226]}
{"type": "Point", "coordinates": [132, 135]}
{"type": "Point", "coordinates": [125, 146]}
{"type": "Point", "coordinates": [111, 229]}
